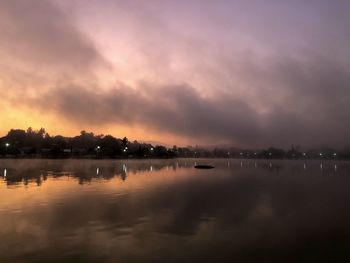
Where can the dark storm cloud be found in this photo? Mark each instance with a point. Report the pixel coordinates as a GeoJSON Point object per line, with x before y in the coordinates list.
{"type": "Point", "coordinates": [314, 111]}
{"type": "Point", "coordinates": [178, 109]}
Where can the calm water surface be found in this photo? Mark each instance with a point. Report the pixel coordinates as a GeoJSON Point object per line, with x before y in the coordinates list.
{"type": "Point", "coordinates": [167, 211]}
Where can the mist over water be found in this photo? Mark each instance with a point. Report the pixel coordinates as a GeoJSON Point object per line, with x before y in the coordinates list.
{"type": "Point", "coordinates": [167, 211]}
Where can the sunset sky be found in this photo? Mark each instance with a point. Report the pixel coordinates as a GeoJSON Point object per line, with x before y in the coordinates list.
{"type": "Point", "coordinates": [244, 73]}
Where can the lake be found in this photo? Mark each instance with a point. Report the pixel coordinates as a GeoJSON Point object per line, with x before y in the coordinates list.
{"type": "Point", "coordinates": [167, 211]}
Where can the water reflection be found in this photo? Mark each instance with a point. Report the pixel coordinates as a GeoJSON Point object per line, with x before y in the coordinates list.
{"type": "Point", "coordinates": [167, 211]}
{"type": "Point", "coordinates": [38, 170]}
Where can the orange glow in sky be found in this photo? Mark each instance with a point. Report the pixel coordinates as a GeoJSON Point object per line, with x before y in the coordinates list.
{"type": "Point", "coordinates": [178, 72]}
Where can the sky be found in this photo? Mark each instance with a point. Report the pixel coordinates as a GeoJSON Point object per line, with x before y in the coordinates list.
{"type": "Point", "coordinates": [244, 73]}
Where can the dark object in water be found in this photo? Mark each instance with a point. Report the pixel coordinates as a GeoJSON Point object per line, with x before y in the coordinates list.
{"type": "Point", "coordinates": [204, 166]}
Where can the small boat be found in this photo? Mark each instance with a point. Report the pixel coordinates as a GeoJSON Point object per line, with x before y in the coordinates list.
{"type": "Point", "coordinates": [204, 166]}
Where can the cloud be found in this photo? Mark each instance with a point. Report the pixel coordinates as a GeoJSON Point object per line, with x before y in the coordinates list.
{"type": "Point", "coordinates": [201, 81]}
{"type": "Point", "coordinates": [40, 43]}
{"type": "Point", "coordinates": [177, 109]}
{"type": "Point", "coordinates": [312, 109]}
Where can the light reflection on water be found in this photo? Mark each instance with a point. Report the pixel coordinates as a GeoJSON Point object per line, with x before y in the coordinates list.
{"type": "Point", "coordinates": [167, 211]}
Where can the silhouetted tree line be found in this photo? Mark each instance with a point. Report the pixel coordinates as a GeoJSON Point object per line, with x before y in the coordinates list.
{"type": "Point", "coordinates": [38, 143]}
